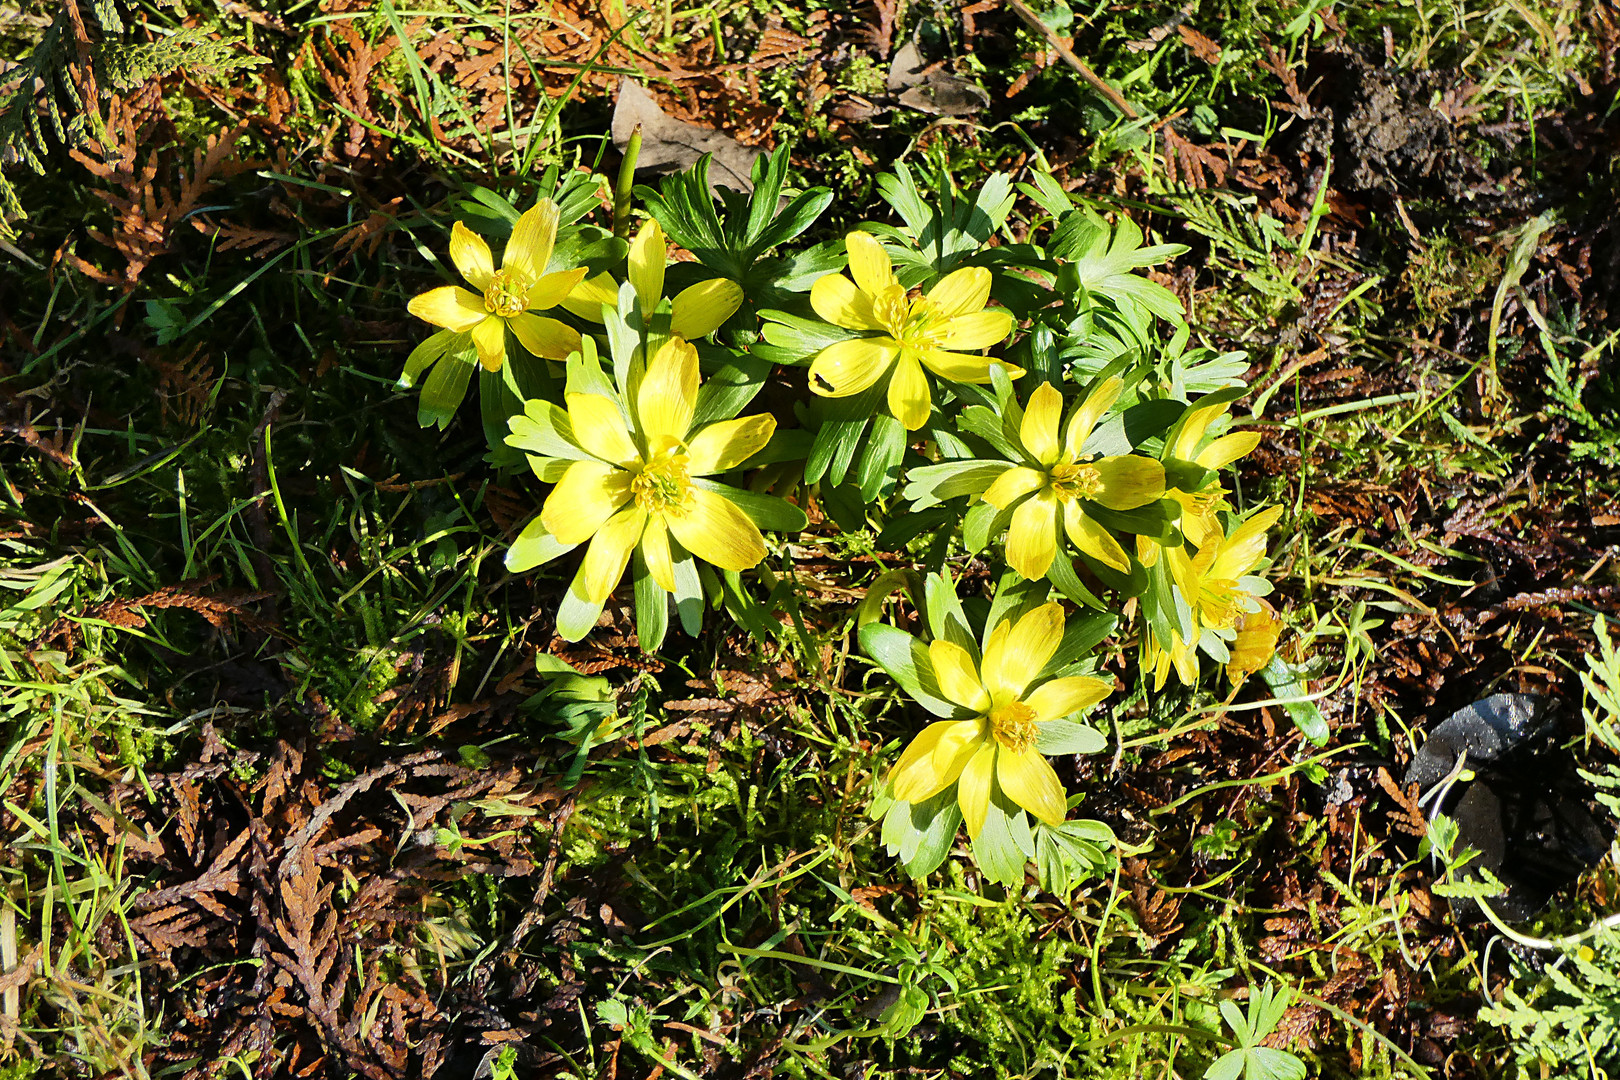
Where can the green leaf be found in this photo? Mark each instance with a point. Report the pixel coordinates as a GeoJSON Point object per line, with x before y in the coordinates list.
{"type": "Point", "coordinates": [534, 547]}
{"type": "Point", "coordinates": [1156, 519]}
{"type": "Point", "coordinates": [688, 590]}
{"type": "Point", "coordinates": [880, 464]}
{"type": "Point", "coordinates": [725, 392]}
{"type": "Point", "coordinates": [1124, 432]}
{"type": "Point", "coordinates": [996, 848]}
{"type": "Point", "coordinates": [933, 484]}
{"type": "Point", "coordinates": [1066, 737]}
{"type": "Point", "coordinates": [946, 619]}
{"type": "Point", "coordinates": [576, 616]}
{"type": "Point", "coordinates": [1080, 635]}
{"type": "Point", "coordinates": [445, 390]}
{"type": "Point", "coordinates": [935, 823]}
{"type": "Point", "coordinates": [767, 511]}
{"type": "Point", "coordinates": [905, 660]}
{"type": "Point", "coordinates": [652, 605]}
{"type": "Point", "coordinates": [1287, 681]}
{"type": "Point", "coordinates": [1062, 574]}
{"type": "Point", "coordinates": [544, 429]}
{"type": "Point", "coordinates": [981, 522]}
{"type": "Point", "coordinates": [797, 339]}
{"type": "Point", "coordinates": [428, 353]}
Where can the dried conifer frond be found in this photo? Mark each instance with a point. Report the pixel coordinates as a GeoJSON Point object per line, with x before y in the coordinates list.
{"type": "Point", "coordinates": [52, 98]}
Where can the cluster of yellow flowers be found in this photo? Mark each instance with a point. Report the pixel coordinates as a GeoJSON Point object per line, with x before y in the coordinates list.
{"type": "Point", "coordinates": [635, 473]}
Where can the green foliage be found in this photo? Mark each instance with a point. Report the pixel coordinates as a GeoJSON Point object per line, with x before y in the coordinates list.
{"type": "Point", "coordinates": [1250, 1060]}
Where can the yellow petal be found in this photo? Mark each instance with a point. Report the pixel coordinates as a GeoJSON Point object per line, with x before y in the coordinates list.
{"type": "Point", "coordinates": [963, 367]}
{"type": "Point", "coordinates": [958, 678]}
{"type": "Point", "coordinates": [1246, 546]}
{"type": "Point", "coordinates": [849, 367]}
{"type": "Point", "coordinates": [1039, 431]}
{"type": "Point", "coordinates": [489, 338]}
{"type": "Point", "coordinates": [1227, 449]}
{"type": "Point", "coordinates": [699, 310]}
{"type": "Point", "coordinates": [649, 251]}
{"type": "Point", "coordinates": [1013, 485]}
{"type": "Point", "coordinates": [655, 549]}
{"type": "Point", "coordinates": [533, 237]}
{"type": "Point", "coordinates": [471, 256]}
{"type": "Point", "coordinates": [1086, 416]}
{"type": "Point", "coordinates": [668, 392]}
{"type": "Point", "coordinates": [1064, 697]}
{"type": "Point", "coordinates": [1193, 428]}
{"type": "Point", "coordinates": [1093, 539]}
{"type": "Point", "coordinates": [1030, 781]}
{"type": "Point", "coordinates": [908, 393]}
{"type": "Point", "coordinates": [977, 330]}
{"type": "Point", "coordinates": [1013, 661]}
{"type": "Point", "coordinates": [917, 775]}
{"type": "Point", "coordinates": [973, 787]}
{"type": "Point", "coordinates": [957, 745]}
{"type": "Point", "coordinates": [837, 299]}
{"type": "Point", "coordinates": [449, 306]}
{"type": "Point", "coordinates": [600, 429]}
{"type": "Point", "coordinates": [587, 495]}
{"type": "Point", "coordinates": [544, 337]}
{"type": "Point", "coordinates": [1129, 481]}
{"type": "Point", "coordinates": [590, 294]}
{"type": "Point", "coordinates": [728, 444]}
{"type": "Point", "coordinates": [609, 552]}
{"type": "Point", "coordinates": [1032, 535]}
{"type": "Point", "coordinates": [1257, 633]}
{"type": "Point", "coordinates": [717, 532]}
{"type": "Point", "coordinates": [1147, 550]}
{"type": "Point", "coordinates": [553, 289]}
{"type": "Point", "coordinates": [962, 292]}
{"type": "Point", "coordinates": [868, 263]}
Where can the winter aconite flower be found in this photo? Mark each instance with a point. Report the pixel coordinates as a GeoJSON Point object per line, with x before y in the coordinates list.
{"type": "Point", "coordinates": [1218, 585]}
{"type": "Point", "coordinates": [1058, 483]}
{"type": "Point", "coordinates": [939, 331]}
{"type": "Point", "coordinates": [633, 479]}
{"type": "Point", "coordinates": [1198, 507]}
{"type": "Point", "coordinates": [696, 311]}
{"type": "Point", "coordinates": [509, 297]}
{"type": "Point", "coordinates": [998, 747]}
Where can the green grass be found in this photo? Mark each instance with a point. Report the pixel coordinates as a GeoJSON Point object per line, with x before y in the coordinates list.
{"type": "Point", "coordinates": [227, 429]}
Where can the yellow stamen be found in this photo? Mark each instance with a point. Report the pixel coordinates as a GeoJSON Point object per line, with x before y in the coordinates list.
{"type": "Point", "coordinates": [914, 321]}
{"type": "Point", "coordinates": [508, 294]}
{"type": "Point", "coordinates": [1013, 726]}
{"type": "Point", "coordinates": [1078, 481]}
{"type": "Point", "coordinates": [663, 485]}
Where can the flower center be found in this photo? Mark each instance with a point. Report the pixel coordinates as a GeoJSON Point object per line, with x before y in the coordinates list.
{"type": "Point", "coordinates": [1070, 482]}
{"type": "Point", "coordinates": [914, 321]}
{"type": "Point", "coordinates": [1218, 602]}
{"type": "Point", "coordinates": [663, 486]}
{"type": "Point", "coordinates": [507, 295]}
{"type": "Point", "coordinates": [1013, 726]}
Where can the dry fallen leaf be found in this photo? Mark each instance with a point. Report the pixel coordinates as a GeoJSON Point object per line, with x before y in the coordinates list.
{"type": "Point", "coordinates": [669, 145]}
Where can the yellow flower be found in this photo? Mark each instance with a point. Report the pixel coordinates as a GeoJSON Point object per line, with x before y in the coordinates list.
{"type": "Point", "coordinates": [917, 332]}
{"type": "Point", "coordinates": [1198, 508]}
{"type": "Point", "coordinates": [997, 748]}
{"type": "Point", "coordinates": [507, 297]}
{"type": "Point", "coordinates": [697, 311]}
{"type": "Point", "coordinates": [1257, 633]}
{"type": "Point", "coordinates": [637, 488]}
{"type": "Point", "coordinates": [1181, 656]}
{"type": "Point", "coordinates": [1212, 582]}
{"type": "Point", "coordinates": [1058, 482]}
